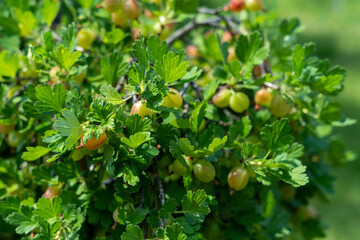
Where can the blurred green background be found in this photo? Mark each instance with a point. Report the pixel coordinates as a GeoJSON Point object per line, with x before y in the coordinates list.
{"type": "Point", "coordinates": [334, 25]}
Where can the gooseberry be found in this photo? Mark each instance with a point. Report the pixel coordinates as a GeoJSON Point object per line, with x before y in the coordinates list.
{"type": "Point", "coordinates": [238, 178]}
{"type": "Point", "coordinates": [204, 170]}
{"type": "Point", "coordinates": [262, 96]}
{"type": "Point", "coordinates": [85, 38]}
{"type": "Point", "coordinates": [173, 99]}
{"type": "Point", "coordinates": [112, 5]}
{"type": "Point", "coordinates": [222, 98]}
{"type": "Point", "coordinates": [140, 108]}
{"type": "Point", "coordinates": [254, 5]}
{"type": "Point", "coordinates": [279, 107]}
{"type": "Point", "coordinates": [237, 5]}
{"type": "Point", "coordinates": [132, 9]}
{"type": "Point", "coordinates": [93, 143]}
{"type": "Point", "coordinates": [239, 102]}
{"type": "Point", "coordinates": [51, 192]}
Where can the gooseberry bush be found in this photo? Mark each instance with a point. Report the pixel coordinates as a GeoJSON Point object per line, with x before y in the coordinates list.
{"type": "Point", "coordinates": [155, 119]}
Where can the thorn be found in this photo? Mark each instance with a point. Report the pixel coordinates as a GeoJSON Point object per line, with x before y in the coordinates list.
{"type": "Point", "coordinates": [232, 192]}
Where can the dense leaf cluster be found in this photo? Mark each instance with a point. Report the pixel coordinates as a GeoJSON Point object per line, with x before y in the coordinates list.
{"type": "Point", "coordinates": [78, 162]}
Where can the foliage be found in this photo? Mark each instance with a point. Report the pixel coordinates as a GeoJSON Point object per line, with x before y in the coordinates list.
{"type": "Point", "coordinates": [57, 97]}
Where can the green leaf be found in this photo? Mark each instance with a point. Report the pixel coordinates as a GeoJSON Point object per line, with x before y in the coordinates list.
{"type": "Point", "coordinates": [34, 153]}
{"type": "Point", "coordinates": [210, 90]}
{"type": "Point", "coordinates": [134, 141]}
{"type": "Point", "coordinates": [186, 6]}
{"type": "Point", "coordinates": [128, 175]}
{"type": "Point", "coordinates": [69, 126]}
{"type": "Point", "coordinates": [64, 57]}
{"type": "Point", "coordinates": [329, 85]}
{"type": "Point", "coordinates": [135, 124]}
{"type": "Point", "coordinates": [249, 49]}
{"type": "Point", "coordinates": [101, 112]}
{"type": "Point", "coordinates": [217, 144]}
{"type": "Point", "coordinates": [156, 48]}
{"type": "Point", "coordinates": [49, 10]}
{"type": "Point", "coordinates": [277, 136]}
{"type": "Point", "coordinates": [50, 101]}
{"type": "Point", "coordinates": [298, 177]}
{"type": "Point", "coordinates": [112, 67]}
{"type": "Point", "coordinates": [48, 209]}
{"type": "Point", "coordinates": [175, 232]}
{"type": "Point", "coordinates": [140, 52]}
{"type": "Point", "coordinates": [241, 128]}
{"type": "Point", "coordinates": [298, 60]}
{"type": "Point", "coordinates": [68, 36]}
{"type": "Point", "coordinates": [133, 232]}
{"type": "Point", "coordinates": [49, 41]}
{"type": "Point", "coordinates": [25, 223]}
{"type": "Point", "coordinates": [9, 64]}
{"type": "Point", "coordinates": [171, 68]}
{"type": "Point", "coordinates": [115, 36]}
{"type": "Point", "coordinates": [195, 206]}
{"type": "Point", "coordinates": [111, 94]}
{"type": "Point", "coordinates": [197, 116]}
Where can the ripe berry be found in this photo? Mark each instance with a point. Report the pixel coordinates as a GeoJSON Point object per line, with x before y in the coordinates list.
{"type": "Point", "coordinates": [93, 143]}
{"type": "Point", "coordinates": [173, 99]}
{"type": "Point", "coordinates": [257, 71]}
{"type": "Point", "coordinates": [254, 5]}
{"type": "Point", "coordinates": [239, 102]}
{"type": "Point", "coordinates": [237, 5]}
{"type": "Point", "coordinates": [238, 178]}
{"type": "Point", "coordinates": [222, 98]}
{"type": "Point", "coordinates": [132, 9]}
{"type": "Point", "coordinates": [51, 192]}
{"type": "Point", "coordinates": [204, 170]}
{"type": "Point", "coordinates": [85, 38]}
{"type": "Point", "coordinates": [140, 108]}
{"type": "Point", "coordinates": [192, 52]}
{"type": "Point", "coordinates": [112, 5]}
{"type": "Point", "coordinates": [262, 97]}
{"type": "Point", "coordinates": [227, 37]}
{"type": "Point", "coordinates": [279, 107]}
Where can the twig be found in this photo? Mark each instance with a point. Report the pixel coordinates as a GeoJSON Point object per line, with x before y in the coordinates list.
{"type": "Point", "coordinates": [230, 115]}
{"type": "Point", "coordinates": [197, 90]}
{"type": "Point", "coordinates": [161, 191]}
{"type": "Point", "coordinates": [190, 26]}
{"type": "Point", "coordinates": [185, 87]}
{"type": "Point", "coordinates": [210, 10]}
{"type": "Point", "coordinates": [120, 83]}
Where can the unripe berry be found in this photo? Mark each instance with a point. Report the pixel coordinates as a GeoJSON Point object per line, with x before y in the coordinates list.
{"type": "Point", "coordinates": [254, 5]}
{"type": "Point", "coordinates": [279, 107]}
{"type": "Point", "coordinates": [115, 215]}
{"type": "Point", "coordinates": [178, 168]}
{"type": "Point", "coordinates": [85, 38]}
{"type": "Point", "coordinates": [14, 138]}
{"type": "Point", "coordinates": [204, 170]}
{"type": "Point", "coordinates": [239, 102]}
{"type": "Point", "coordinates": [112, 5]}
{"type": "Point", "coordinates": [78, 154]}
{"type": "Point", "coordinates": [93, 143]}
{"type": "Point", "coordinates": [262, 97]}
{"type": "Point", "coordinates": [238, 178]}
{"type": "Point", "coordinates": [119, 18]}
{"type": "Point", "coordinates": [140, 108]}
{"type": "Point", "coordinates": [132, 9]}
{"type": "Point", "coordinates": [173, 99]}
{"type": "Point", "coordinates": [237, 5]}
{"type": "Point", "coordinates": [222, 98]}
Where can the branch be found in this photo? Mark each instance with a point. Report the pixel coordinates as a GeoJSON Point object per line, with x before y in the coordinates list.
{"type": "Point", "coordinates": [161, 191]}
{"type": "Point", "coordinates": [190, 26]}
{"type": "Point", "coordinates": [185, 87]}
